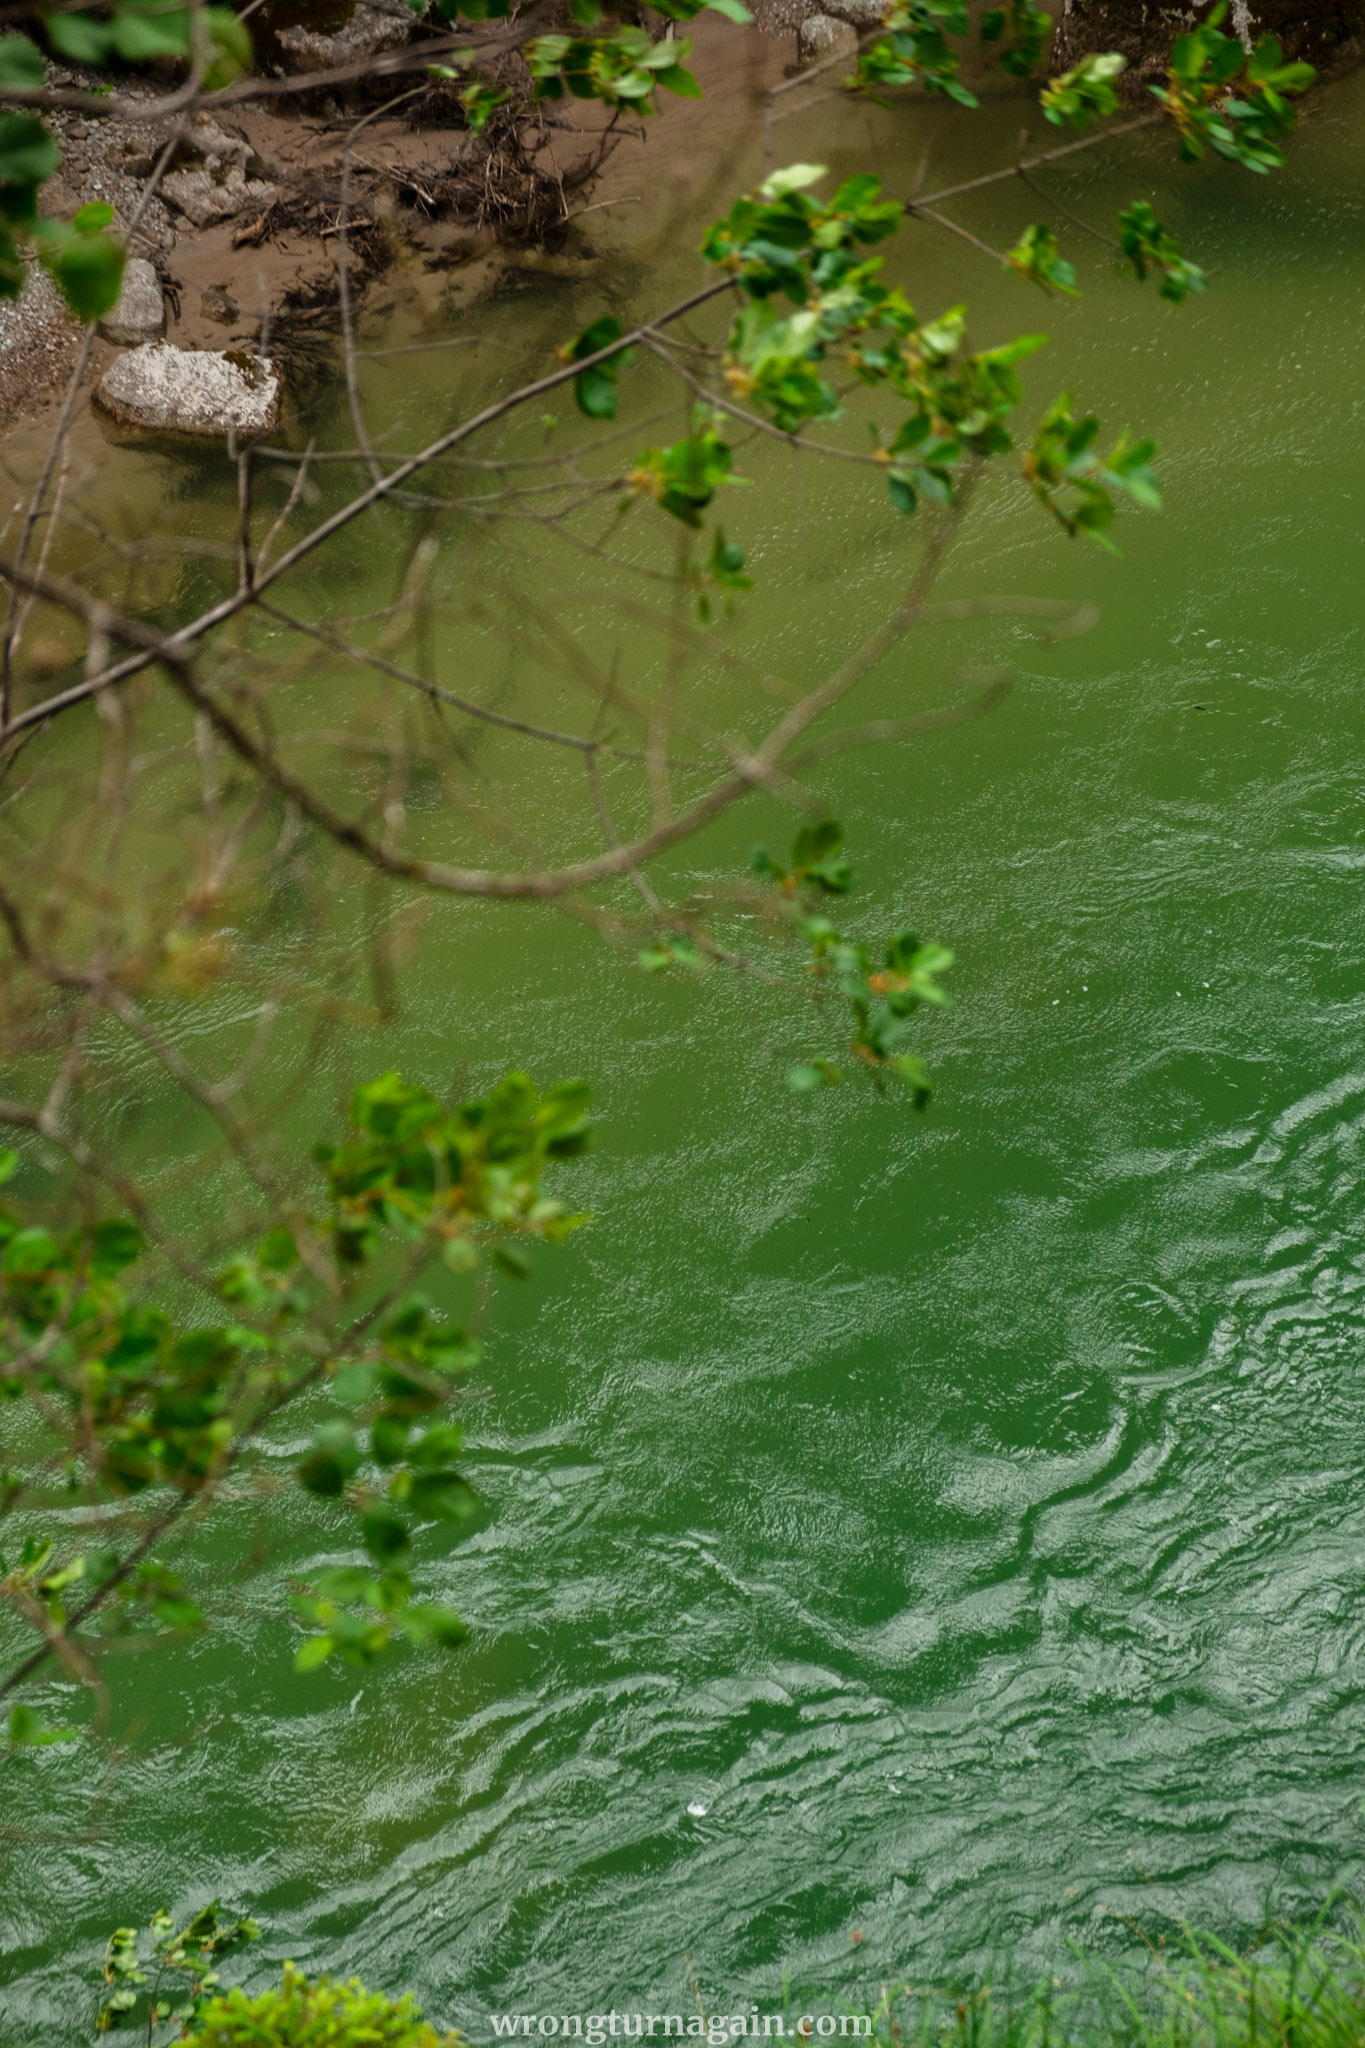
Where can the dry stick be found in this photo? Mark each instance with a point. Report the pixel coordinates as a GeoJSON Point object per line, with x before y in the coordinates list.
{"type": "Point", "coordinates": [127, 1011]}
{"type": "Point", "coordinates": [1033, 163]}
{"type": "Point", "coordinates": [1065, 211]}
{"type": "Point", "coordinates": [44, 551]}
{"type": "Point", "coordinates": [296, 492]}
{"type": "Point", "coordinates": [941, 220]}
{"type": "Point", "coordinates": [613, 837]}
{"type": "Point", "coordinates": [174, 647]}
{"type": "Point", "coordinates": [189, 97]}
{"type": "Point", "coordinates": [21, 1116]}
{"type": "Point", "coordinates": [886, 731]}
{"type": "Point", "coordinates": [754, 420]}
{"type": "Point", "coordinates": [883, 640]}
{"type": "Point", "coordinates": [344, 275]}
{"type": "Point", "coordinates": [752, 770]}
{"type": "Point", "coordinates": [579, 741]}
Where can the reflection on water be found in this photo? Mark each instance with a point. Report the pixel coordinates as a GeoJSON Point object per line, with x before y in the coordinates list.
{"type": "Point", "coordinates": [967, 1514]}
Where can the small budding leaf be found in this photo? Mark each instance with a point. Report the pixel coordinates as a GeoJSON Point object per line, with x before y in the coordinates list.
{"type": "Point", "coordinates": [1086, 94]}
{"type": "Point", "coordinates": [1147, 247]}
{"type": "Point", "coordinates": [1037, 257]}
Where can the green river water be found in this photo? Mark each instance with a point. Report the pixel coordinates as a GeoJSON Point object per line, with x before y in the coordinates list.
{"type": "Point", "coordinates": [949, 1529]}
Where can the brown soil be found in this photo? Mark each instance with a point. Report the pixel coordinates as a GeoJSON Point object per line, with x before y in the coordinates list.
{"type": "Point", "coordinates": [419, 196]}
{"type": "Point", "coordinates": [1330, 36]}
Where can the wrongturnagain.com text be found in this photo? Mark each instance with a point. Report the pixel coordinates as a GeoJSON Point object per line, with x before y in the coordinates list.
{"type": "Point", "coordinates": [597, 2028]}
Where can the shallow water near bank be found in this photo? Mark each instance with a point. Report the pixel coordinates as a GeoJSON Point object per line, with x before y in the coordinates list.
{"type": "Point", "coordinates": [943, 1529]}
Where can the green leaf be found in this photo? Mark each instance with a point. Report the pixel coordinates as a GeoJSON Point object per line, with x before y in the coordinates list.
{"type": "Point", "coordinates": [231, 40]}
{"type": "Point", "coordinates": [333, 1460]}
{"type": "Point", "coordinates": [88, 269]}
{"type": "Point", "coordinates": [28, 154]}
{"type": "Point", "coordinates": [9, 1162]}
{"type": "Point", "coordinates": [442, 1497]}
{"type": "Point", "coordinates": [385, 1535]}
{"type": "Point", "coordinates": [114, 1246]}
{"type": "Point", "coordinates": [595, 393]}
{"type": "Point", "coordinates": [812, 1074]}
{"type": "Point", "coordinates": [440, 1627]}
{"type": "Point", "coordinates": [277, 1252]}
{"type": "Point", "coordinates": [21, 62]}
{"type": "Point", "coordinates": [675, 79]}
{"type": "Point", "coordinates": [915, 1075]}
{"type": "Point", "coordinates": [313, 1653]}
{"type": "Point", "coordinates": [794, 178]}
{"type": "Point", "coordinates": [79, 37]}
{"type": "Point", "coordinates": [28, 1731]}
{"type": "Point", "coordinates": [146, 30]}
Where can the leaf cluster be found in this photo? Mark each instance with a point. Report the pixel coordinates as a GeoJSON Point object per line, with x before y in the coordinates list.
{"type": "Point", "coordinates": [322, 2013]}
{"type": "Point", "coordinates": [187, 1957]}
{"type": "Point", "coordinates": [1148, 247]}
{"type": "Point", "coordinates": [143, 1403]}
{"type": "Point", "coordinates": [1086, 94]}
{"type": "Point", "coordinates": [882, 994]}
{"type": "Point", "coordinates": [780, 243]}
{"type": "Point", "coordinates": [918, 51]}
{"type": "Point", "coordinates": [1076, 484]}
{"type": "Point", "coordinates": [1220, 99]}
{"type": "Point", "coordinates": [1037, 257]}
{"type": "Point", "coordinates": [683, 478]}
{"type": "Point", "coordinates": [84, 259]}
{"type": "Point", "coordinates": [623, 69]}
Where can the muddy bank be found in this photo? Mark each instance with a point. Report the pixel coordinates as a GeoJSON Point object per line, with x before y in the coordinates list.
{"type": "Point", "coordinates": [263, 204]}
{"type": "Point", "coordinates": [1330, 36]}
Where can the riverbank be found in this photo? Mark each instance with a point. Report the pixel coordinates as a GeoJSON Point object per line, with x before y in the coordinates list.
{"type": "Point", "coordinates": [262, 206]}
{"type": "Point", "coordinates": [272, 207]}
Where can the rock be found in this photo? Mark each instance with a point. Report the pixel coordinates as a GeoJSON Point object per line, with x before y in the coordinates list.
{"type": "Point", "coordinates": [191, 391]}
{"type": "Point", "coordinates": [220, 305]}
{"type": "Point", "coordinates": [1329, 34]}
{"type": "Point", "coordinates": [821, 36]}
{"type": "Point", "coordinates": [216, 191]}
{"type": "Point", "coordinates": [374, 27]}
{"type": "Point", "coordinates": [140, 314]}
{"type": "Point", "coordinates": [862, 14]}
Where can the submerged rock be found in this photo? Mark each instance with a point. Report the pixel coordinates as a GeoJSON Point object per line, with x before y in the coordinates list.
{"type": "Point", "coordinates": [821, 36]}
{"type": "Point", "coordinates": [140, 314]}
{"type": "Point", "coordinates": [191, 391]}
{"type": "Point", "coordinates": [219, 305]}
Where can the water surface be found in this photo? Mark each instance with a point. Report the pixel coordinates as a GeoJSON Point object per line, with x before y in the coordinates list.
{"type": "Point", "coordinates": [966, 1512]}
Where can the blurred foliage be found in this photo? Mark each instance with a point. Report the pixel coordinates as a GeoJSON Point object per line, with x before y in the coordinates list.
{"type": "Point", "coordinates": [330, 1320]}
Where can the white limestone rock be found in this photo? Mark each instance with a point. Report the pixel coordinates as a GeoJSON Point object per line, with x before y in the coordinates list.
{"type": "Point", "coordinates": [821, 36]}
{"type": "Point", "coordinates": [862, 14]}
{"type": "Point", "coordinates": [215, 191]}
{"type": "Point", "coordinates": [191, 391]}
{"type": "Point", "coordinates": [140, 314]}
{"type": "Point", "coordinates": [375, 27]}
